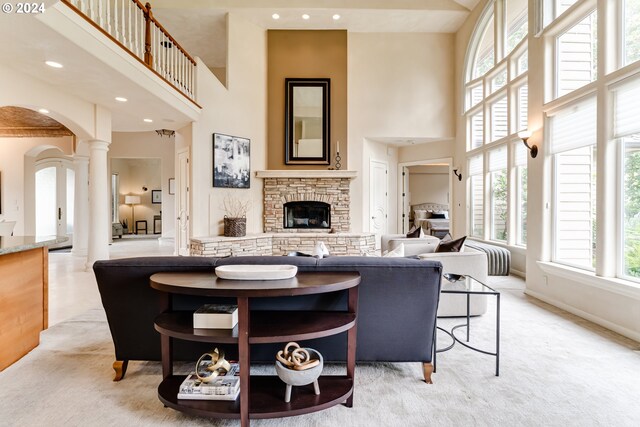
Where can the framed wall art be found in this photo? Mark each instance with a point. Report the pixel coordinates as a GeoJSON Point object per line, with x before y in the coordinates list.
{"type": "Point", "coordinates": [231, 161]}
{"type": "Point", "coordinates": [156, 196]}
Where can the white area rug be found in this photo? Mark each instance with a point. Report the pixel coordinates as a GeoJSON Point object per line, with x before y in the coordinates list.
{"type": "Point", "coordinates": [556, 370]}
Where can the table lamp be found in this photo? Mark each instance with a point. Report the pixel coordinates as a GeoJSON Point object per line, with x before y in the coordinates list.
{"type": "Point", "coordinates": [132, 200]}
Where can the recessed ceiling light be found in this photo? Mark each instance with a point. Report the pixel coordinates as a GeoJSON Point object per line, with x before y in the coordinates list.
{"type": "Point", "coordinates": [336, 17]}
{"type": "Point", "coordinates": [121, 99]}
{"type": "Point", "coordinates": [275, 16]}
{"type": "Point", "coordinates": [305, 16]}
{"type": "Point", "coordinates": [53, 64]}
{"type": "Point", "coordinates": [148, 120]}
{"type": "Point", "coordinates": [43, 111]}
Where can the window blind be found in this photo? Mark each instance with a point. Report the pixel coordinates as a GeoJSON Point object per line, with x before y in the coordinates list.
{"type": "Point", "coordinates": [574, 126]}
{"type": "Point", "coordinates": [521, 154]}
{"type": "Point", "coordinates": [475, 165]}
{"type": "Point", "coordinates": [498, 159]}
{"type": "Point", "coordinates": [626, 108]}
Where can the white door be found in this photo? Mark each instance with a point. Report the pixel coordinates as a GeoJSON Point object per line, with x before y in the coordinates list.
{"type": "Point", "coordinates": [182, 196]}
{"type": "Point", "coordinates": [55, 185]}
{"type": "Point", "coordinates": [378, 198]}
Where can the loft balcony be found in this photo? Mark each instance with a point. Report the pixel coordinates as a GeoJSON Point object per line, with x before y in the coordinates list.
{"type": "Point", "coordinates": [132, 26]}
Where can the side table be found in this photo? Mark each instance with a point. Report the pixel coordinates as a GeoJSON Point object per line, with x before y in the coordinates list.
{"type": "Point", "coordinates": [468, 286]}
{"type": "Point", "coordinates": [260, 396]}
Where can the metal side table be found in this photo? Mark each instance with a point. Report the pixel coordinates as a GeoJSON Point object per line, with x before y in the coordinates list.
{"type": "Point", "coordinates": [467, 285]}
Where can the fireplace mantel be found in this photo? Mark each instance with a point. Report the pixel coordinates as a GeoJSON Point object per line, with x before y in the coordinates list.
{"type": "Point", "coordinates": [320, 173]}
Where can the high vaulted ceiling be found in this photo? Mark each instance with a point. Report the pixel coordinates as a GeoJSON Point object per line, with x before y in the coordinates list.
{"type": "Point", "coordinates": [200, 25]}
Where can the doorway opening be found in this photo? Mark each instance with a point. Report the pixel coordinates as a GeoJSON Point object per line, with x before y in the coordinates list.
{"type": "Point", "coordinates": [425, 196]}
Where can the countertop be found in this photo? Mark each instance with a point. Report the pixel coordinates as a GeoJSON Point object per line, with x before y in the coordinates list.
{"type": "Point", "coordinates": [11, 244]}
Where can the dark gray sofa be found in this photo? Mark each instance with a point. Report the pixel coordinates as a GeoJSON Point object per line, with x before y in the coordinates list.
{"type": "Point", "coordinates": [398, 301]}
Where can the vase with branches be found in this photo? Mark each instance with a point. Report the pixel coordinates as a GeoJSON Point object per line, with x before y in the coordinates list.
{"type": "Point", "coordinates": [235, 218]}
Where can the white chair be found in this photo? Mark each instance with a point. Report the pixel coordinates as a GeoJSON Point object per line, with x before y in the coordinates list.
{"type": "Point", "coordinates": [470, 262]}
{"type": "Point", "coordinates": [6, 228]}
{"type": "Point", "coordinates": [412, 246]}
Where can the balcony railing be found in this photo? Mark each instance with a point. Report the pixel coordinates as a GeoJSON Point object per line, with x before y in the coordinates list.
{"type": "Point", "coordinates": [131, 24]}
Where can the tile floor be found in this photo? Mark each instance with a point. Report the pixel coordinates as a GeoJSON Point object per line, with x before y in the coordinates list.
{"type": "Point", "coordinates": [73, 288]}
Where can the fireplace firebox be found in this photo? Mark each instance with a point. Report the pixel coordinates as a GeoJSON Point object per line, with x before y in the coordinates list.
{"type": "Point", "coordinates": [307, 215]}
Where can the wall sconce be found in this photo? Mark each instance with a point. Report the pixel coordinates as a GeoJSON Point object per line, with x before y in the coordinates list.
{"type": "Point", "coordinates": [524, 136]}
{"type": "Point", "coordinates": [144, 188]}
{"type": "Point", "coordinates": [459, 175]}
{"type": "Point", "coordinates": [165, 132]}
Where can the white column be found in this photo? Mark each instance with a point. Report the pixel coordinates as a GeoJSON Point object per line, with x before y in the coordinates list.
{"type": "Point", "coordinates": [81, 206]}
{"type": "Point", "coordinates": [98, 203]}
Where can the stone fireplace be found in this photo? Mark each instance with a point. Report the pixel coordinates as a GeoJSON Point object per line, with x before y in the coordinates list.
{"type": "Point", "coordinates": [315, 188]}
{"type": "Point", "coordinates": [296, 204]}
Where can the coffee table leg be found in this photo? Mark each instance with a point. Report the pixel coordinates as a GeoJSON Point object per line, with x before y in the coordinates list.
{"type": "Point", "coordinates": [166, 346]}
{"type": "Point", "coordinates": [243, 351]}
{"type": "Point", "coordinates": [468, 315]}
{"type": "Point", "coordinates": [351, 343]}
{"type": "Point", "coordinates": [498, 335]}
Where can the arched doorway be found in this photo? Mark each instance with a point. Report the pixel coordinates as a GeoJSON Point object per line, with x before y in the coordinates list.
{"type": "Point", "coordinates": [54, 197]}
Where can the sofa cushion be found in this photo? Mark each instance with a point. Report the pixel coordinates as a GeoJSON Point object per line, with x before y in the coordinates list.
{"type": "Point", "coordinates": [397, 252]}
{"type": "Point", "coordinates": [414, 233]}
{"type": "Point", "coordinates": [451, 245]}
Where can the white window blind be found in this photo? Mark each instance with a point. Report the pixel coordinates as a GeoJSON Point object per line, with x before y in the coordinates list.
{"type": "Point", "coordinates": [626, 104]}
{"type": "Point", "coordinates": [521, 154]}
{"type": "Point", "coordinates": [574, 126]}
{"type": "Point", "coordinates": [475, 165]}
{"type": "Point", "coordinates": [498, 159]}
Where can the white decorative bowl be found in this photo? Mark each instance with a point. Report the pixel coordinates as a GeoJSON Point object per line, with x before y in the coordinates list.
{"type": "Point", "coordinates": [256, 272]}
{"type": "Point", "coordinates": [297, 378]}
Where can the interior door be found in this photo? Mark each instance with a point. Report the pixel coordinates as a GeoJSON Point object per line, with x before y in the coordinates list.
{"type": "Point", "coordinates": [378, 184]}
{"type": "Point", "coordinates": [182, 197]}
{"type": "Point", "coordinates": [55, 185]}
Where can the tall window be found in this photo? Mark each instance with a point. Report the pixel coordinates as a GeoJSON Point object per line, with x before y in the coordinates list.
{"type": "Point", "coordinates": [626, 128]}
{"type": "Point", "coordinates": [573, 144]}
{"type": "Point", "coordinates": [476, 198]}
{"type": "Point", "coordinates": [631, 31]}
{"type": "Point", "coordinates": [521, 193]}
{"type": "Point", "coordinates": [577, 56]}
{"type": "Point", "coordinates": [496, 104]}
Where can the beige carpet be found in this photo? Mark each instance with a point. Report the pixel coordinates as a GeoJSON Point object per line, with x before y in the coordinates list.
{"type": "Point", "coordinates": [556, 370]}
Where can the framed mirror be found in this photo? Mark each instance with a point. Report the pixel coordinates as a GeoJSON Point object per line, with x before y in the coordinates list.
{"type": "Point", "coordinates": [307, 122]}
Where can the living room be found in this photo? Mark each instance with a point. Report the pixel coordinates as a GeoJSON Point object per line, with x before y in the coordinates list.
{"type": "Point", "coordinates": [411, 75]}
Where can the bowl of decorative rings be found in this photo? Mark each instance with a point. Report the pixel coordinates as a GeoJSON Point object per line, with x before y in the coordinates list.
{"type": "Point", "coordinates": [297, 366]}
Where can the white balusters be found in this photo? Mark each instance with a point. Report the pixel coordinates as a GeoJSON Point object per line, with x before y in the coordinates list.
{"type": "Point", "coordinates": [125, 20]}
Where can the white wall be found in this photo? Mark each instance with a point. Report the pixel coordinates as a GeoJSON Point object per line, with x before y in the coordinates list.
{"type": "Point", "coordinates": [400, 86]}
{"type": "Point", "coordinates": [147, 145]}
{"type": "Point", "coordinates": [17, 165]}
{"type": "Point", "coordinates": [238, 109]}
{"type": "Point", "coordinates": [429, 184]}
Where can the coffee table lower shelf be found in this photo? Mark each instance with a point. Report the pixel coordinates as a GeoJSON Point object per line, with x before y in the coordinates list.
{"type": "Point", "coordinates": [267, 398]}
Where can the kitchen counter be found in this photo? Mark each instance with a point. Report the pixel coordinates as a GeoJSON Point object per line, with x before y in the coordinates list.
{"type": "Point", "coordinates": [24, 294]}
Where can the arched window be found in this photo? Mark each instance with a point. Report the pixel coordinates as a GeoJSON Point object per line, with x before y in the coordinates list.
{"type": "Point", "coordinates": [496, 105]}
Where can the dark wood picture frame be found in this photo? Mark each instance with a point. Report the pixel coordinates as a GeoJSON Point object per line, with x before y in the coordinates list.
{"type": "Point", "coordinates": [231, 161]}
{"type": "Point", "coordinates": [291, 156]}
{"type": "Point", "coordinates": [156, 196]}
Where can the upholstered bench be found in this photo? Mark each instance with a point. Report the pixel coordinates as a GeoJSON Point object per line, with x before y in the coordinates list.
{"type": "Point", "coordinates": [499, 259]}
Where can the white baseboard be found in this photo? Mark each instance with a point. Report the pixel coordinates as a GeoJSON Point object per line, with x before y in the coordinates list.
{"type": "Point", "coordinates": [634, 335]}
{"type": "Point", "coordinates": [518, 273]}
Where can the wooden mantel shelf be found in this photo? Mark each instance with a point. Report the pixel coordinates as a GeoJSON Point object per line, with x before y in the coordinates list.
{"type": "Point", "coordinates": [320, 173]}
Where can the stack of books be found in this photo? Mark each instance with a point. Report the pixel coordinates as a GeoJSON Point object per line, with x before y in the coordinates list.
{"type": "Point", "coordinates": [216, 316]}
{"type": "Point", "coordinates": [223, 387]}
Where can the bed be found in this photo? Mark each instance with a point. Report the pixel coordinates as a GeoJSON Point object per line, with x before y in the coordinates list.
{"type": "Point", "coordinates": [429, 217]}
